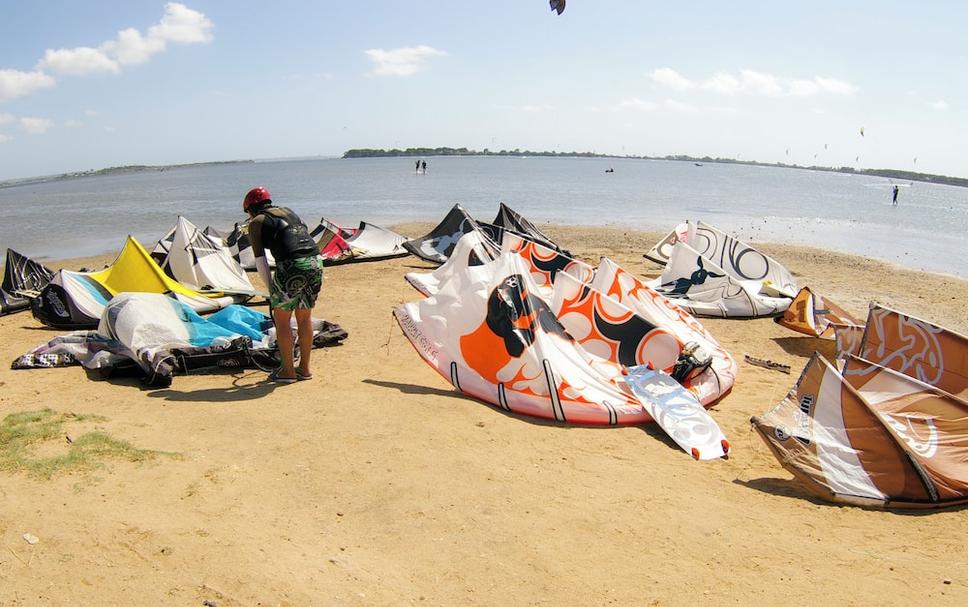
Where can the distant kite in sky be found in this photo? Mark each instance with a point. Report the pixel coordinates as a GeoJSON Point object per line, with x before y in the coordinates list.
{"type": "Point", "coordinates": [861, 131]}
{"type": "Point", "coordinates": [557, 5]}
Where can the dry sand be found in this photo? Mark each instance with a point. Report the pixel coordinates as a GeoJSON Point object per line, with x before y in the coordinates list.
{"type": "Point", "coordinates": [377, 484]}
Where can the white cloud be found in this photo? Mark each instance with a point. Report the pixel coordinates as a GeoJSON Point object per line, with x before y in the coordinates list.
{"type": "Point", "coordinates": [678, 106]}
{"type": "Point", "coordinates": [14, 83]}
{"type": "Point", "coordinates": [36, 126]}
{"type": "Point", "coordinates": [6, 118]}
{"type": "Point", "coordinates": [752, 82]}
{"type": "Point", "coordinates": [404, 61]}
{"type": "Point", "coordinates": [821, 85]}
{"type": "Point", "coordinates": [73, 124]}
{"type": "Point", "coordinates": [5, 138]}
{"type": "Point", "coordinates": [722, 83]}
{"type": "Point", "coordinates": [670, 78]}
{"type": "Point", "coordinates": [182, 24]}
{"type": "Point", "coordinates": [77, 61]}
{"type": "Point", "coordinates": [90, 113]}
{"type": "Point", "coordinates": [837, 87]}
{"type": "Point", "coordinates": [939, 105]}
{"type": "Point", "coordinates": [131, 48]}
{"type": "Point", "coordinates": [179, 24]}
{"type": "Point", "coordinates": [760, 84]}
{"type": "Point", "coordinates": [635, 103]}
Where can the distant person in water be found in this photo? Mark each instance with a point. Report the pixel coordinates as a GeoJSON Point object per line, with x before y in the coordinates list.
{"type": "Point", "coordinates": [417, 169]}
{"type": "Point", "coordinates": [424, 166]}
{"type": "Point", "coordinates": [897, 190]}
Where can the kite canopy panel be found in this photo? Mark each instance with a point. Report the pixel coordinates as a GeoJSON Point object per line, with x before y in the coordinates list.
{"type": "Point", "coordinates": [475, 250]}
{"type": "Point", "coordinates": [21, 276]}
{"type": "Point", "coordinates": [160, 336]}
{"type": "Point", "coordinates": [438, 244]}
{"type": "Point", "coordinates": [470, 254]}
{"type": "Point", "coordinates": [673, 336]}
{"type": "Point", "coordinates": [510, 220]}
{"type": "Point", "coordinates": [662, 250]}
{"type": "Point", "coordinates": [814, 315]}
{"type": "Point", "coordinates": [75, 300]}
{"type": "Point", "coordinates": [738, 259]}
{"type": "Point", "coordinates": [918, 348]}
{"type": "Point", "coordinates": [199, 261]}
{"type": "Point", "coordinates": [701, 286]}
{"type": "Point", "coordinates": [871, 436]}
{"type": "Point", "coordinates": [368, 242]}
{"type": "Point", "coordinates": [241, 247]}
{"type": "Point", "coordinates": [495, 339]}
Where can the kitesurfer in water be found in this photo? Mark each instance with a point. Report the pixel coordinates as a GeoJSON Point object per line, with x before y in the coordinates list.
{"type": "Point", "coordinates": [294, 286]}
{"type": "Point", "coordinates": [423, 165]}
{"type": "Point", "coordinates": [417, 170]}
{"type": "Point", "coordinates": [896, 192]}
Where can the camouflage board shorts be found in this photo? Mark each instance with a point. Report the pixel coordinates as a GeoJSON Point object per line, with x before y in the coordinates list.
{"type": "Point", "coordinates": [296, 283]}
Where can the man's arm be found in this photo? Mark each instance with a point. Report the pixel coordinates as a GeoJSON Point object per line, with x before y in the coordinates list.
{"type": "Point", "coordinates": [259, 252]}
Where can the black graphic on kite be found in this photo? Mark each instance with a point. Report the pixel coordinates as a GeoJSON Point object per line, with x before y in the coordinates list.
{"type": "Point", "coordinates": [557, 5]}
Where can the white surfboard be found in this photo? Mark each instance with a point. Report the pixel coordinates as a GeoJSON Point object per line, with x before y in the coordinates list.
{"type": "Point", "coordinates": [678, 412]}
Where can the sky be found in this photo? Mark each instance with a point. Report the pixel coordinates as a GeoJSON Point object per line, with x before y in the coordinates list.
{"type": "Point", "coordinates": [88, 85]}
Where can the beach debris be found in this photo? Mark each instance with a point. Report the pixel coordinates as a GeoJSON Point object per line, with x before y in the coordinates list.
{"type": "Point", "coordinates": [767, 364]}
{"type": "Point", "coordinates": [210, 603]}
{"type": "Point", "coordinates": [31, 538]}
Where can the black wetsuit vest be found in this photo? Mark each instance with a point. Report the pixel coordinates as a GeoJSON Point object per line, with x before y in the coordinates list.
{"type": "Point", "coordinates": [285, 235]}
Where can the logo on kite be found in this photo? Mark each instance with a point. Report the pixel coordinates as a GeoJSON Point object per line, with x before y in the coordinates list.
{"type": "Point", "coordinates": [557, 5]}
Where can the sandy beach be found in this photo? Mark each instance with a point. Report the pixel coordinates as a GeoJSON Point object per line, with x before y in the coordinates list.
{"type": "Point", "coordinates": [376, 483]}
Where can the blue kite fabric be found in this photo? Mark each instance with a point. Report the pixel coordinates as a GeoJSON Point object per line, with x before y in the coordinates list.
{"type": "Point", "coordinates": [155, 337]}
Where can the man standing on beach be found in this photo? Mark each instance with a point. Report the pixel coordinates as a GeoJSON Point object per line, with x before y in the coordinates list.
{"type": "Point", "coordinates": [896, 191]}
{"type": "Point", "coordinates": [296, 283]}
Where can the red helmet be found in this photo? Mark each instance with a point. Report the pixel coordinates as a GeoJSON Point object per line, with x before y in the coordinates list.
{"type": "Point", "coordinates": [256, 196]}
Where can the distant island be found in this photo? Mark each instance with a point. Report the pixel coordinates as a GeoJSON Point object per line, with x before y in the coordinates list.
{"type": "Point", "coordinates": [445, 151]}
{"type": "Point", "coordinates": [118, 170]}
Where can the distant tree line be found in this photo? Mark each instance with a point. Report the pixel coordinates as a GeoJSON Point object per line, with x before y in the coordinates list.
{"type": "Point", "coordinates": [445, 151]}
{"type": "Point", "coordinates": [372, 153]}
{"type": "Point", "coordinates": [118, 170]}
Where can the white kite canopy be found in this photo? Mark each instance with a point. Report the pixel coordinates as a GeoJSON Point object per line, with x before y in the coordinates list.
{"type": "Point", "coordinates": [368, 242]}
{"type": "Point", "coordinates": [676, 330]}
{"type": "Point", "coordinates": [489, 331]}
{"type": "Point", "coordinates": [200, 261]}
{"type": "Point", "coordinates": [472, 252]}
{"type": "Point", "coordinates": [738, 259]}
{"type": "Point", "coordinates": [495, 339]}
{"type": "Point", "coordinates": [704, 288]}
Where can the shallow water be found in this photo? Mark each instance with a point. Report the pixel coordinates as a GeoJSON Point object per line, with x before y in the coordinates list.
{"type": "Point", "coordinates": [849, 213]}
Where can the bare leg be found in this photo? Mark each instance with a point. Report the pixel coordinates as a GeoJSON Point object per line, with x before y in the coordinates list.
{"type": "Point", "coordinates": [304, 326]}
{"type": "Point", "coordinates": [284, 340]}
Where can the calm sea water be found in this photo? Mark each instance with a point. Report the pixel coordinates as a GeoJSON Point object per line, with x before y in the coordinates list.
{"type": "Point", "coordinates": [849, 213]}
